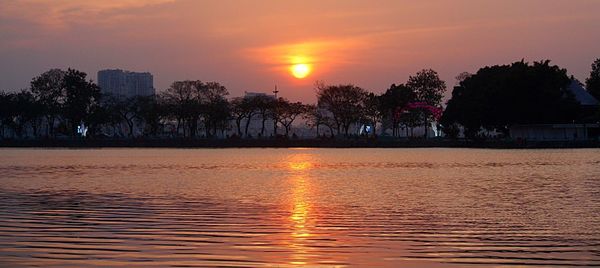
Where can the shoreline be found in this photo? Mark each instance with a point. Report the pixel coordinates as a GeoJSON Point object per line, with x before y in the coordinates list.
{"type": "Point", "coordinates": [291, 143]}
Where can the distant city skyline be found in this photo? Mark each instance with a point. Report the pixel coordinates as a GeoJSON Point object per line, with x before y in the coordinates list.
{"type": "Point", "coordinates": [249, 46]}
{"type": "Point", "coordinates": [125, 83]}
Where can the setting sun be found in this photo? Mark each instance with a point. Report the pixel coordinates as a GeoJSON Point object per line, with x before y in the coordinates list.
{"type": "Point", "coordinates": [300, 70]}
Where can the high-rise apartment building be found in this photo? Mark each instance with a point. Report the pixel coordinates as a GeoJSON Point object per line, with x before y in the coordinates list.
{"type": "Point", "coordinates": [125, 84]}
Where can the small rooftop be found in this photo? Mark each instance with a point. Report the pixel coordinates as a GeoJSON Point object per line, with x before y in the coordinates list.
{"type": "Point", "coordinates": [257, 94]}
{"type": "Point", "coordinates": [581, 95]}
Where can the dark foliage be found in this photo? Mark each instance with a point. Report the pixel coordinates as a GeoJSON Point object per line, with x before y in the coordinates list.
{"type": "Point", "coordinates": [592, 83]}
{"type": "Point", "coordinates": [499, 96]}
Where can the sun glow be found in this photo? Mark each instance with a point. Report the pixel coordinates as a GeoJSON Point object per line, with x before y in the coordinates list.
{"type": "Point", "coordinates": [302, 60]}
{"type": "Point", "coordinates": [300, 70]}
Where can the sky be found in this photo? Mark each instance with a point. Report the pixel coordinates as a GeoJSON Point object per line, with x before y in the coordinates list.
{"type": "Point", "coordinates": [251, 45]}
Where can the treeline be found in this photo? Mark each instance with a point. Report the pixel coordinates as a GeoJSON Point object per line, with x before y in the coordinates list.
{"type": "Point", "coordinates": [58, 102]}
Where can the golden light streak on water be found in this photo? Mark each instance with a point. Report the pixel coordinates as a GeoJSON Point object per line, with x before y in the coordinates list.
{"type": "Point", "coordinates": [299, 165]}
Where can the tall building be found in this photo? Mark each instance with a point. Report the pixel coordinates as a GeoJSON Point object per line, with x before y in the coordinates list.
{"type": "Point", "coordinates": [257, 94]}
{"type": "Point", "coordinates": [125, 84]}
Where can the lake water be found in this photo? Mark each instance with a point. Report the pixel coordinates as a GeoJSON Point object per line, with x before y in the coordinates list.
{"type": "Point", "coordinates": [299, 207]}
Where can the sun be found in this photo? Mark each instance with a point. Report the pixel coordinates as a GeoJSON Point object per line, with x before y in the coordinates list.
{"type": "Point", "coordinates": [300, 70]}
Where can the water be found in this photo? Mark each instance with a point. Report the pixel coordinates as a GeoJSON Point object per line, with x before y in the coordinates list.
{"type": "Point", "coordinates": [299, 207]}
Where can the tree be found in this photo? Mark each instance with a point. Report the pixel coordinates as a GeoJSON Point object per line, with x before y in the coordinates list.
{"type": "Point", "coordinates": [499, 96]}
{"type": "Point", "coordinates": [287, 112]}
{"type": "Point", "coordinates": [373, 110]}
{"type": "Point", "coordinates": [592, 83]}
{"type": "Point", "coordinates": [48, 90]}
{"type": "Point", "coordinates": [16, 121]}
{"type": "Point", "coordinates": [239, 111]}
{"type": "Point", "coordinates": [277, 112]}
{"type": "Point", "coordinates": [429, 89]}
{"type": "Point", "coordinates": [316, 117]}
{"type": "Point", "coordinates": [183, 105]}
{"type": "Point", "coordinates": [250, 105]}
{"type": "Point", "coordinates": [427, 86]}
{"type": "Point", "coordinates": [30, 111]}
{"type": "Point", "coordinates": [215, 107]}
{"type": "Point", "coordinates": [409, 119]}
{"type": "Point", "coordinates": [128, 110]}
{"type": "Point", "coordinates": [462, 76]}
{"type": "Point", "coordinates": [150, 112]}
{"type": "Point", "coordinates": [222, 113]}
{"type": "Point", "coordinates": [103, 115]}
{"type": "Point", "coordinates": [81, 98]}
{"type": "Point", "coordinates": [344, 102]}
{"type": "Point", "coordinates": [396, 97]}
{"type": "Point", "coordinates": [9, 112]}
{"type": "Point", "coordinates": [216, 115]}
{"type": "Point", "coordinates": [5, 111]}
{"type": "Point", "coordinates": [18, 111]}
{"type": "Point", "coordinates": [191, 101]}
{"type": "Point", "coordinates": [415, 113]}
{"type": "Point", "coordinates": [263, 105]}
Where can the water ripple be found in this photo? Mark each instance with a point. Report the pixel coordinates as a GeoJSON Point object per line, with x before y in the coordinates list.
{"type": "Point", "coordinates": [304, 209]}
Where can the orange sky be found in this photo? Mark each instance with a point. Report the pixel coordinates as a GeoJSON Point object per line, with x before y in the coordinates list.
{"type": "Point", "coordinates": [248, 45]}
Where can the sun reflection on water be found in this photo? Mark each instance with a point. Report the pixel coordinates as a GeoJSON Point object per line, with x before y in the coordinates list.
{"type": "Point", "coordinates": [301, 217]}
{"type": "Point", "coordinates": [299, 166]}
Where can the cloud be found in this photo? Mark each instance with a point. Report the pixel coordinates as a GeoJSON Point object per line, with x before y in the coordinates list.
{"type": "Point", "coordinates": [59, 14]}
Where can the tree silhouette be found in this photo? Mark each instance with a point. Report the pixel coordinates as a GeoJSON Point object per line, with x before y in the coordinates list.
{"type": "Point", "coordinates": [277, 112]}
{"type": "Point", "coordinates": [149, 112]}
{"type": "Point", "coordinates": [19, 110]}
{"type": "Point", "coordinates": [499, 96]}
{"type": "Point", "coordinates": [592, 83]}
{"type": "Point", "coordinates": [5, 112]}
{"type": "Point", "coordinates": [48, 89]}
{"type": "Point", "coordinates": [126, 110]}
{"type": "Point", "coordinates": [215, 108]}
{"type": "Point", "coordinates": [373, 110]}
{"type": "Point", "coordinates": [395, 97]}
{"type": "Point", "coordinates": [239, 111]}
{"type": "Point", "coordinates": [81, 98]}
{"type": "Point", "coordinates": [263, 106]}
{"type": "Point", "coordinates": [287, 112]}
{"type": "Point", "coordinates": [462, 76]}
{"type": "Point", "coordinates": [31, 111]}
{"type": "Point", "coordinates": [183, 106]}
{"type": "Point", "coordinates": [250, 104]}
{"type": "Point", "coordinates": [428, 88]}
{"type": "Point", "coordinates": [189, 101]}
{"type": "Point", "coordinates": [344, 102]}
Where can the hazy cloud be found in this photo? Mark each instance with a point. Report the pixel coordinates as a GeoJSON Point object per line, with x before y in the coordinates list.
{"type": "Point", "coordinates": [59, 14]}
